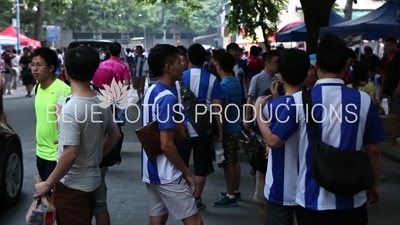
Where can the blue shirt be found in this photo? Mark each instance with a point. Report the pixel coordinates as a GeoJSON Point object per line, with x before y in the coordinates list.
{"type": "Point", "coordinates": [206, 88]}
{"type": "Point", "coordinates": [242, 72]}
{"type": "Point", "coordinates": [158, 105]}
{"type": "Point", "coordinates": [282, 168]}
{"type": "Point", "coordinates": [232, 91]}
{"type": "Point", "coordinates": [346, 119]}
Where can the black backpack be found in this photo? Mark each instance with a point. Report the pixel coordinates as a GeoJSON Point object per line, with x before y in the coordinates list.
{"type": "Point", "coordinates": [202, 123]}
{"type": "Point", "coordinates": [114, 156]}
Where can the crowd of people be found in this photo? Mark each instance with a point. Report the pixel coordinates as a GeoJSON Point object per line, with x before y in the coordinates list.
{"type": "Point", "coordinates": [292, 187]}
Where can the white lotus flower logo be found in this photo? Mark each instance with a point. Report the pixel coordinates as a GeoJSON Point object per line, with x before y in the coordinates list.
{"type": "Point", "coordinates": [115, 94]}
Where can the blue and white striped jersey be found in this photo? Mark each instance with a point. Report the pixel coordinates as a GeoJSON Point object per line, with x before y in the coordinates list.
{"type": "Point", "coordinates": [158, 103]}
{"type": "Point", "coordinates": [346, 119]}
{"type": "Point", "coordinates": [283, 164]}
{"type": "Point", "coordinates": [205, 86]}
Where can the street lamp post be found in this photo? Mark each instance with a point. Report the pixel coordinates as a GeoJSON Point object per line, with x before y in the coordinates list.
{"type": "Point", "coordinates": [18, 24]}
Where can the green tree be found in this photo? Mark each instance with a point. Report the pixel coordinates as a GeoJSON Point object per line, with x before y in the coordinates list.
{"type": "Point", "coordinates": [252, 14]}
{"type": "Point", "coordinates": [204, 19]}
{"type": "Point", "coordinates": [55, 6]}
{"type": "Point", "coordinates": [80, 15]}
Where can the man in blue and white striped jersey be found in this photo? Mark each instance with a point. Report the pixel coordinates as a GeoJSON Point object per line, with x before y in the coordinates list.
{"type": "Point", "coordinates": [207, 89]}
{"type": "Point", "coordinates": [357, 126]}
{"type": "Point", "coordinates": [282, 171]}
{"type": "Point", "coordinates": [169, 182]}
{"type": "Point", "coordinates": [140, 72]}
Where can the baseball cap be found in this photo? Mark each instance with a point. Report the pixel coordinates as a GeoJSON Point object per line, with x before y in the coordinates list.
{"type": "Point", "coordinates": [313, 59]}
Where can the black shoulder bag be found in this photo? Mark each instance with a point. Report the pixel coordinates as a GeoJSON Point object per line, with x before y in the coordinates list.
{"type": "Point", "coordinates": [345, 172]}
{"type": "Point", "coordinates": [201, 123]}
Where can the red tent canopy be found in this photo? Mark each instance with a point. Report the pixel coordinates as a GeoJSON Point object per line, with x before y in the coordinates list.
{"type": "Point", "coordinates": [10, 31]}
{"type": "Point", "coordinates": [290, 26]}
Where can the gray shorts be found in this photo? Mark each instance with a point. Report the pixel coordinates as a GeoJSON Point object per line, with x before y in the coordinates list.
{"type": "Point", "coordinates": [174, 198]}
{"type": "Point", "coordinates": [394, 103]}
{"type": "Point", "coordinates": [101, 193]}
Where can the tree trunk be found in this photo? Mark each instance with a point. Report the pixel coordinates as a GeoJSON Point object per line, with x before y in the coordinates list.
{"type": "Point", "coordinates": [39, 21]}
{"type": "Point", "coordinates": [266, 37]}
{"type": "Point", "coordinates": [316, 15]}
{"type": "Point", "coordinates": [348, 10]}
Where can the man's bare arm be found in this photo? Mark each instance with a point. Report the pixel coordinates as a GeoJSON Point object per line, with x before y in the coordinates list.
{"type": "Point", "coordinates": [170, 151]}
{"type": "Point", "coordinates": [374, 156]}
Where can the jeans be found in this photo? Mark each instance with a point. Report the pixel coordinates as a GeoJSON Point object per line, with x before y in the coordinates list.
{"type": "Point", "coordinates": [45, 167]}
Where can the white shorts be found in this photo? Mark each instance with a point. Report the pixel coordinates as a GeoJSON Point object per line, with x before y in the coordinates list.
{"type": "Point", "coordinates": [174, 198]}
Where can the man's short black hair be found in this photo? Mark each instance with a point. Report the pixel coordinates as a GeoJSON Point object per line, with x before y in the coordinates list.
{"type": "Point", "coordinates": [139, 47]}
{"type": "Point", "coordinates": [115, 49]}
{"type": "Point", "coordinates": [14, 51]}
{"type": "Point", "coordinates": [226, 61]}
{"type": "Point", "coordinates": [267, 57]}
{"type": "Point", "coordinates": [368, 49]}
{"type": "Point", "coordinates": [197, 54]}
{"type": "Point", "coordinates": [391, 39]}
{"type": "Point", "coordinates": [26, 49]}
{"type": "Point", "coordinates": [159, 56]}
{"type": "Point", "coordinates": [332, 54]}
{"type": "Point", "coordinates": [351, 54]}
{"type": "Point", "coordinates": [232, 46]}
{"type": "Point", "coordinates": [254, 51]}
{"type": "Point", "coordinates": [182, 50]}
{"type": "Point", "coordinates": [293, 66]}
{"type": "Point", "coordinates": [218, 52]}
{"type": "Point", "coordinates": [49, 56]}
{"type": "Point", "coordinates": [81, 63]}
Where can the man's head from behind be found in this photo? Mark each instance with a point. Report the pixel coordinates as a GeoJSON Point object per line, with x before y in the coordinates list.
{"type": "Point", "coordinates": [255, 51]}
{"type": "Point", "coordinates": [115, 49]}
{"type": "Point", "coordinates": [271, 61]}
{"type": "Point", "coordinates": [293, 66]}
{"type": "Point", "coordinates": [81, 63]}
{"type": "Point", "coordinates": [224, 63]}
{"type": "Point", "coordinates": [331, 56]}
{"type": "Point", "coordinates": [164, 60]}
{"type": "Point", "coordinates": [197, 54]}
{"type": "Point", "coordinates": [44, 63]}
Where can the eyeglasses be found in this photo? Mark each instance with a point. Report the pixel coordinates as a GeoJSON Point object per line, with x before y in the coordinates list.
{"type": "Point", "coordinates": [33, 65]}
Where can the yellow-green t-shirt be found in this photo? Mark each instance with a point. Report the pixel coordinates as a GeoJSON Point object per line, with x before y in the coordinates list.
{"type": "Point", "coordinates": [368, 88]}
{"type": "Point", "coordinates": [46, 120]}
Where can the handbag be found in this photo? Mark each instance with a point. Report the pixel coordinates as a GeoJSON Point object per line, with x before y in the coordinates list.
{"type": "Point", "coordinates": [345, 172]}
{"type": "Point", "coordinates": [149, 137]}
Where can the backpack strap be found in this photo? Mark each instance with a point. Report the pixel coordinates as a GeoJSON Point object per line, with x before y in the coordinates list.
{"type": "Point", "coordinates": [36, 88]}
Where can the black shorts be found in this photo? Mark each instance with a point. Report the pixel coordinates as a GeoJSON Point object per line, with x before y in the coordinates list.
{"type": "Point", "coordinates": [202, 154]}
{"type": "Point", "coordinates": [27, 80]}
{"type": "Point", "coordinates": [279, 214]}
{"type": "Point", "coordinates": [357, 216]}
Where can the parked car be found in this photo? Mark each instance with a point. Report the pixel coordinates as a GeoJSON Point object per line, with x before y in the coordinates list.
{"type": "Point", "coordinates": [11, 164]}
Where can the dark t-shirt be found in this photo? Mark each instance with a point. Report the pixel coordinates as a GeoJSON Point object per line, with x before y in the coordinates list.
{"type": "Point", "coordinates": [25, 60]}
{"type": "Point", "coordinates": [393, 75]}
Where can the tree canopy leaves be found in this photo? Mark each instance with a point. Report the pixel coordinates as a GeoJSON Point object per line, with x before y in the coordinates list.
{"type": "Point", "coordinates": [252, 14]}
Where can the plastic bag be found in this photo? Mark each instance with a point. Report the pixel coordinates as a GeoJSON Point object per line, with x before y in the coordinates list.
{"type": "Point", "coordinates": [42, 210]}
{"type": "Point", "coordinates": [219, 153]}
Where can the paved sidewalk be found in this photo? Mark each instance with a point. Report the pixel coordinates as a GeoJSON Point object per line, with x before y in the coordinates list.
{"type": "Point", "coordinates": [127, 197]}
